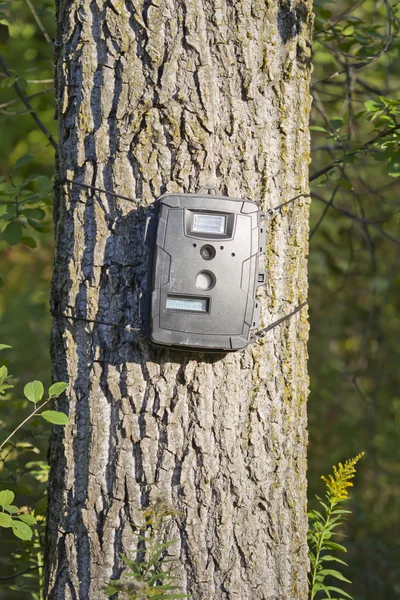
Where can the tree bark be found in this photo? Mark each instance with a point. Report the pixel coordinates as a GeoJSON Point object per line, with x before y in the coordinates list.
{"type": "Point", "coordinates": [167, 96]}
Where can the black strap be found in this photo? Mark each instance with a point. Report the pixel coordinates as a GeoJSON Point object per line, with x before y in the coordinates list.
{"type": "Point", "coordinates": [129, 328]}
{"type": "Point", "coordinates": [260, 334]}
{"type": "Point", "coordinates": [270, 211]}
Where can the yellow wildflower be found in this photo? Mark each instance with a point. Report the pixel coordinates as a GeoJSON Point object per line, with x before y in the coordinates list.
{"type": "Point", "coordinates": [338, 483]}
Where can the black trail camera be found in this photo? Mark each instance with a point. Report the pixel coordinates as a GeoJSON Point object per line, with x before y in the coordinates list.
{"type": "Point", "coordinates": [205, 271]}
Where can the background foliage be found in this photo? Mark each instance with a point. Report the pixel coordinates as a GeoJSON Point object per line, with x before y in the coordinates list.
{"type": "Point", "coordinates": [354, 257]}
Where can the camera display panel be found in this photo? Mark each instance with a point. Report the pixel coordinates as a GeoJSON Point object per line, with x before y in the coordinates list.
{"type": "Point", "coordinates": [189, 304]}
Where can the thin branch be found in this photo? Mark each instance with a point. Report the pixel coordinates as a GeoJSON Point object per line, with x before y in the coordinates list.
{"type": "Point", "coordinates": [323, 215]}
{"type": "Point", "coordinates": [40, 80]}
{"type": "Point", "coordinates": [11, 102]}
{"type": "Point", "coordinates": [355, 217]}
{"type": "Point", "coordinates": [18, 574]}
{"type": "Point", "coordinates": [38, 21]}
{"type": "Point", "coordinates": [28, 105]}
{"type": "Point", "coordinates": [25, 421]}
{"type": "Point", "coordinates": [368, 87]}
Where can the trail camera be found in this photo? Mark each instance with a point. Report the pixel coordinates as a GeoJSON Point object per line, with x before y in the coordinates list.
{"type": "Point", "coordinates": [205, 271]}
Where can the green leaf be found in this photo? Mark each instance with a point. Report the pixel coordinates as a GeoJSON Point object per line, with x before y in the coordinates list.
{"type": "Point", "coordinates": [4, 387]}
{"type": "Point", "coordinates": [41, 506]}
{"type": "Point", "coordinates": [322, 503]}
{"type": "Point", "coordinates": [329, 557]}
{"type": "Point", "coordinates": [315, 515]}
{"type": "Point", "coordinates": [57, 388]}
{"type": "Point", "coordinates": [3, 373]}
{"type": "Point", "coordinates": [348, 30]}
{"type": "Point", "coordinates": [22, 530]}
{"type": "Point", "coordinates": [331, 588]}
{"type": "Point", "coordinates": [342, 511]}
{"type": "Point", "coordinates": [11, 210]}
{"type": "Point", "coordinates": [8, 82]}
{"type": "Point", "coordinates": [345, 184]}
{"type": "Point", "coordinates": [34, 391]}
{"type": "Point", "coordinates": [334, 546]}
{"type": "Point", "coordinates": [12, 233]}
{"type": "Point", "coordinates": [4, 346]}
{"type": "Point", "coordinates": [336, 122]}
{"type": "Point", "coordinates": [55, 417]}
{"type": "Point", "coordinates": [29, 241]}
{"type": "Point", "coordinates": [5, 520]}
{"type": "Point", "coordinates": [320, 586]}
{"type": "Point", "coordinates": [11, 509]}
{"type": "Point", "coordinates": [34, 213]}
{"type": "Point", "coordinates": [6, 497]}
{"type": "Point", "coordinates": [23, 160]}
{"type": "Point", "coordinates": [333, 573]}
{"type": "Point", "coordinates": [394, 170]}
{"type": "Point", "coordinates": [371, 106]}
{"type": "Point", "coordinates": [318, 128]}
{"type": "Point", "coordinates": [4, 33]}
{"type": "Point", "coordinates": [38, 226]}
{"type": "Point", "coordinates": [28, 519]}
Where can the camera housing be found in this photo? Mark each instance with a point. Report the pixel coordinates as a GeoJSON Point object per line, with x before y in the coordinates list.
{"type": "Point", "coordinates": [204, 272]}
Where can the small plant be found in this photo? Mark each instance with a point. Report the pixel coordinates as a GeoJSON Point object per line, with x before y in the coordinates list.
{"type": "Point", "coordinates": [323, 526]}
{"type": "Point", "coordinates": [10, 515]}
{"type": "Point", "coordinates": [26, 522]}
{"type": "Point", "coordinates": [151, 575]}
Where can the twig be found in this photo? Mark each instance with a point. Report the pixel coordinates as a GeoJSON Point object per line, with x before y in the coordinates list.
{"type": "Point", "coordinates": [38, 21]}
{"type": "Point", "coordinates": [363, 220]}
{"type": "Point", "coordinates": [25, 421]}
{"type": "Point", "coordinates": [28, 105]}
{"type": "Point", "coordinates": [323, 215]}
{"type": "Point", "coordinates": [11, 102]}
{"type": "Point", "coordinates": [40, 80]}
{"type": "Point", "coordinates": [18, 574]}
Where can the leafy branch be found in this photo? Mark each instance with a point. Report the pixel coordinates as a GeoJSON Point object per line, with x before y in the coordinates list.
{"type": "Point", "coordinates": [350, 156]}
{"type": "Point", "coordinates": [34, 391]}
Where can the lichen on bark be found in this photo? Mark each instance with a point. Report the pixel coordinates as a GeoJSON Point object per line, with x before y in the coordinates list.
{"type": "Point", "coordinates": [167, 96]}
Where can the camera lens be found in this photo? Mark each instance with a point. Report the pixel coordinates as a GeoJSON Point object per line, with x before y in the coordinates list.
{"type": "Point", "coordinates": [207, 252]}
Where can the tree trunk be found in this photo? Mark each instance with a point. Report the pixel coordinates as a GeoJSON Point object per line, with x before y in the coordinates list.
{"type": "Point", "coordinates": [156, 97]}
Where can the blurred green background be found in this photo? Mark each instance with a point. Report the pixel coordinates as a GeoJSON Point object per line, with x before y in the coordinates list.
{"type": "Point", "coordinates": [354, 277]}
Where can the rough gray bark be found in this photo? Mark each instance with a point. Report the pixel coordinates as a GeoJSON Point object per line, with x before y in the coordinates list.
{"type": "Point", "coordinates": [166, 96]}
